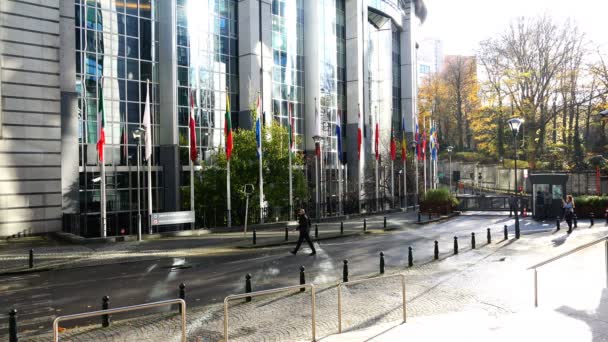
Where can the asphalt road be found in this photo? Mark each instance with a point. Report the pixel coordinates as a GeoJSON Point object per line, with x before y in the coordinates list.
{"type": "Point", "coordinates": [39, 297]}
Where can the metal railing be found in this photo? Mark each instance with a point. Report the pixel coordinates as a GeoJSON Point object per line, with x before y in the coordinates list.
{"type": "Point", "coordinates": [181, 302]}
{"type": "Point", "coordinates": [560, 256]}
{"type": "Point", "coordinates": [267, 292]}
{"type": "Point", "coordinates": [402, 276]}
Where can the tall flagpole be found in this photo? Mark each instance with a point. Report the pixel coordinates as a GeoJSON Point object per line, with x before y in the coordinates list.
{"type": "Point", "coordinates": [405, 181]}
{"type": "Point", "coordinates": [424, 152]}
{"type": "Point", "coordinates": [228, 201]}
{"type": "Point", "coordinates": [291, 144]}
{"type": "Point", "coordinates": [393, 181]}
{"type": "Point", "coordinates": [148, 152]}
{"type": "Point", "coordinates": [104, 227]}
{"type": "Point", "coordinates": [377, 141]}
{"type": "Point", "coordinates": [261, 166]}
{"type": "Point", "coordinates": [153, 55]}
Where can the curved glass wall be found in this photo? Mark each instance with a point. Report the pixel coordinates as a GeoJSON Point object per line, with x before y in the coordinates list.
{"type": "Point", "coordinates": [207, 66]}
{"type": "Point", "coordinates": [396, 44]}
{"type": "Point", "coordinates": [288, 65]}
{"type": "Point", "coordinates": [113, 61]}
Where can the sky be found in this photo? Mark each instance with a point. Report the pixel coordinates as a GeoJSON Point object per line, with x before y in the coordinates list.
{"type": "Point", "coordinates": [462, 24]}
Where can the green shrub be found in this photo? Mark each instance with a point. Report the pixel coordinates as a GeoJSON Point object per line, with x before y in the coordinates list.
{"type": "Point", "coordinates": [438, 200]}
{"type": "Point", "coordinates": [584, 205]}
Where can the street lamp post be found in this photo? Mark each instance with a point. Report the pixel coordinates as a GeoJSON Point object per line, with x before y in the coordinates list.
{"type": "Point", "coordinates": [450, 150]}
{"type": "Point", "coordinates": [137, 135]}
{"type": "Point", "coordinates": [413, 143]}
{"type": "Point", "coordinates": [317, 139]}
{"type": "Point", "coordinates": [515, 124]}
{"type": "Point", "coordinates": [399, 186]}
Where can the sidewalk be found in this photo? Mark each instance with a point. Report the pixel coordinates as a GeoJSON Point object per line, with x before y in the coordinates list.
{"type": "Point", "coordinates": [50, 253]}
{"type": "Point", "coordinates": [471, 296]}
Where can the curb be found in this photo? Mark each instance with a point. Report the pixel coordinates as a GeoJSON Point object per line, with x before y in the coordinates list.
{"type": "Point", "coordinates": [439, 219]}
{"type": "Point", "coordinates": [79, 240]}
{"type": "Point", "coordinates": [331, 237]}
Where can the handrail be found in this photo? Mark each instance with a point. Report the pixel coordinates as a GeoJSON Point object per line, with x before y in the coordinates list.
{"type": "Point", "coordinates": [402, 276]}
{"type": "Point", "coordinates": [267, 292]}
{"type": "Point", "coordinates": [181, 302]}
{"type": "Point", "coordinates": [562, 255]}
{"type": "Point", "coordinates": [579, 248]}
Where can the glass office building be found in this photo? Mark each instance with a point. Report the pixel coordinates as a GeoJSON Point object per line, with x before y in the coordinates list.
{"type": "Point", "coordinates": [330, 60]}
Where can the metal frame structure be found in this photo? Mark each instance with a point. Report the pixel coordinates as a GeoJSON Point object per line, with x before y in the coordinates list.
{"type": "Point", "coordinates": [267, 292]}
{"type": "Point", "coordinates": [181, 302]}
{"type": "Point", "coordinates": [402, 276]}
{"type": "Point", "coordinates": [560, 256]}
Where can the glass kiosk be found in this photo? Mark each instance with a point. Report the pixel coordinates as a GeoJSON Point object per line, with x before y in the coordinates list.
{"type": "Point", "coordinates": [548, 191]}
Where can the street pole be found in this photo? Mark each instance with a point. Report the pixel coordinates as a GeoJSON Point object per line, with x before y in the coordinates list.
{"type": "Point", "coordinates": [450, 174]}
{"type": "Point", "coordinates": [290, 186]}
{"type": "Point", "coordinates": [246, 213]}
{"type": "Point", "coordinates": [405, 183]}
{"type": "Point", "coordinates": [317, 195]}
{"type": "Point", "coordinates": [228, 200]}
{"type": "Point", "coordinates": [393, 182]}
{"type": "Point", "coordinates": [516, 194]}
{"type": "Point", "coordinates": [138, 192]}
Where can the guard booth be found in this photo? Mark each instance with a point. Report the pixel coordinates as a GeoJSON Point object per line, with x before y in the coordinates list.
{"type": "Point", "coordinates": [548, 191]}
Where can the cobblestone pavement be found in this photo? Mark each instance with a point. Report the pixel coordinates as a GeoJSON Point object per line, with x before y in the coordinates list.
{"type": "Point", "coordinates": [490, 281]}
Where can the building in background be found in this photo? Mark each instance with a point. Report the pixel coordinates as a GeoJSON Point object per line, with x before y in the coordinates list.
{"type": "Point", "coordinates": [430, 57]}
{"type": "Point", "coordinates": [63, 60]}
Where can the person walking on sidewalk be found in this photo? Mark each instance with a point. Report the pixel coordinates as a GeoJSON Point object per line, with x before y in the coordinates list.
{"type": "Point", "coordinates": [568, 211]}
{"type": "Point", "coordinates": [304, 228]}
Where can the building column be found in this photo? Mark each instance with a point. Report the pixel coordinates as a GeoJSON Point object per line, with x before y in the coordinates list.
{"type": "Point", "coordinates": [409, 87]}
{"type": "Point", "coordinates": [255, 58]}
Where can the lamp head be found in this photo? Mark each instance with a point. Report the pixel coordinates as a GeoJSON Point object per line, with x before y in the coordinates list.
{"type": "Point", "coordinates": [138, 133]}
{"type": "Point", "coordinates": [317, 139]}
{"type": "Point", "coordinates": [515, 123]}
{"type": "Point", "coordinates": [450, 149]}
{"type": "Point", "coordinates": [604, 114]}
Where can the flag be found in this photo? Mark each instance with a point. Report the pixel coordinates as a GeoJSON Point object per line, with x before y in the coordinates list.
{"type": "Point", "coordinates": [339, 135]}
{"type": "Point", "coordinates": [403, 142]}
{"type": "Point", "coordinates": [228, 129]}
{"type": "Point", "coordinates": [393, 145]}
{"type": "Point", "coordinates": [102, 124]}
{"type": "Point", "coordinates": [423, 145]}
{"type": "Point", "coordinates": [377, 138]}
{"type": "Point", "coordinates": [291, 128]}
{"type": "Point", "coordinates": [258, 131]}
{"type": "Point", "coordinates": [433, 140]}
{"type": "Point", "coordinates": [417, 140]}
{"type": "Point", "coordinates": [359, 133]}
{"type": "Point", "coordinates": [191, 126]}
{"type": "Point", "coordinates": [148, 126]}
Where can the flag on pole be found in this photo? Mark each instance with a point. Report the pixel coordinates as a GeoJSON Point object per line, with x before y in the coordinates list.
{"type": "Point", "coordinates": [433, 141]}
{"type": "Point", "coordinates": [359, 133]}
{"type": "Point", "coordinates": [377, 140]}
{"type": "Point", "coordinates": [393, 145]}
{"type": "Point", "coordinates": [339, 135]}
{"type": "Point", "coordinates": [228, 129]}
{"type": "Point", "coordinates": [417, 140]}
{"type": "Point", "coordinates": [291, 128]}
{"type": "Point", "coordinates": [191, 127]}
{"type": "Point", "coordinates": [101, 123]}
{"type": "Point", "coordinates": [148, 126]}
{"type": "Point", "coordinates": [258, 131]}
{"type": "Point", "coordinates": [403, 142]}
{"type": "Point", "coordinates": [424, 145]}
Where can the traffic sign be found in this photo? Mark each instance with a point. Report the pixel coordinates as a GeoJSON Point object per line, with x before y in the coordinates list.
{"type": "Point", "coordinates": [172, 217]}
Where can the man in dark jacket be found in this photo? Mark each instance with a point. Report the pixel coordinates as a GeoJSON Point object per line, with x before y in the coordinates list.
{"type": "Point", "coordinates": [304, 228]}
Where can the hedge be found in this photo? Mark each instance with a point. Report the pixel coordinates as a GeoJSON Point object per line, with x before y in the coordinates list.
{"type": "Point", "coordinates": [438, 201]}
{"type": "Point", "coordinates": [587, 204]}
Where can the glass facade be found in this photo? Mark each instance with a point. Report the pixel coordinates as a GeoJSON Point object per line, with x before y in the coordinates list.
{"type": "Point", "coordinates": [114, 59]}
{"type": "Point", "coordinates": [332, 77]}
{"type": "Point", "coordinates": [288, 64]}
{"type": "Point", "coordinates": [396, 68]}
{"type": "Point", "coordinates": [207, 66]}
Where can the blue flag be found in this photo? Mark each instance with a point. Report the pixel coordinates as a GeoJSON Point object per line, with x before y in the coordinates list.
{"type": "Point", "coordinates": [339, 136]}
{"type": "Point", "coordinates": [258, 137]}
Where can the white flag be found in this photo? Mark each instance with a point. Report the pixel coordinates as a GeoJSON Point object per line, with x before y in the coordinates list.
{"type": "Point", "coordinates": [147, 126]}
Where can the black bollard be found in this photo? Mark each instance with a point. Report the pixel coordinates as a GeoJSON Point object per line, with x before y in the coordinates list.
{"type": "Point", "coordinates": [606, 214]}
{"type": "Point", "coordinates": [254, 237]}
{"type": "Point", "coordinates": [302, 278]}
{"type": "Point", "coordinates": [345, 272]}
{"type": "Point", "coordinates": [248, 286]}
{"type": "Point", "coordinates": [591, 221]}
{"type": "Point", "coordinates": [506, 231]}
{"type": "Point", "coordinates": [31, 258]}
{"type": "Point", "coordinates": [286, 234]}
{"type": "Point", "coordinates": [12, 326]}
{"type": "Point", "coordinates": [419, 216]}
{"type": "Point", "coordinates": [105, 305]}
{"type": "Point", "coordinates": [557, 223]}
{"type": "Point", "coordinates": [429, 215]}
{"type": "Point", "coordinates": [575, 220]}
{"type": "Point", "coordinates": [341, 227]}
{"type": "Point", "coordinates": [316, 231]}
{"type": "Point", "coordinates": [364, 225]}
{"type": "Point", "coordinates": [489, 236]}
{"type": "Point", "coordinates": [410, 257]}
{"type": "Point", "coordinates": [381, 262]}
{"type": "Point", "coordinates": [455, 244]}
{"type": "Point", "coordinates": [472, 240]}
{"type": "Point", "coordinates": [384, 221]}
{"type": "Point", "coordinates": [182, 294]}
{"type": "Point", "coordinates": [436, 251]}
